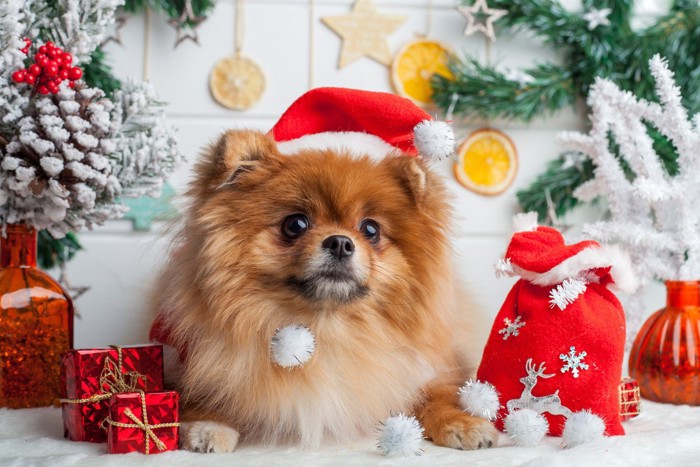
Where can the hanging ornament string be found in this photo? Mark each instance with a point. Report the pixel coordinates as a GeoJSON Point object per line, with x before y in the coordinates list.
{"type": "Point", "coordinates": [146, 43]}
{"type": "Point", "coordinates": [237, 82]}
{"type": "Point", "coordinates": [312, 53]}
{"type": "Point", "coordinates": [417, 61]}
{"type": "Point", "coordinates": [239, 29]}
{"type": "Point", "coordinates": [429, 19]}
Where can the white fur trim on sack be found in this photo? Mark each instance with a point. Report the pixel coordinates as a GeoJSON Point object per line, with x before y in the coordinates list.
{"type": "Point", "coordinates": [611, 256]}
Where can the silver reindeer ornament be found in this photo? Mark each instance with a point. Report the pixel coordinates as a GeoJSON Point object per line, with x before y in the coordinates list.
{"type": "Point", "coordinates": [550, 403]}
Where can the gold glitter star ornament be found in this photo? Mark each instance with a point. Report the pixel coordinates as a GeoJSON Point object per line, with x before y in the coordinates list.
{"type": "Point", "coordinates": [480, 18]}
{"type": "Point", "coordinates": [364, 32]}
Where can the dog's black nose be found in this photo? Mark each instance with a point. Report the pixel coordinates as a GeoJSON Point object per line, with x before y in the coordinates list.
{"type": "Point", "coordinates": [339, 246]}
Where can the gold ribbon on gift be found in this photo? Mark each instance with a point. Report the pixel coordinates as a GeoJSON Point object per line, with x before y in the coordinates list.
{"type": "Point", "coordinates": [113, 380]}
{"type": "Point", "coordinates": [142, 424]}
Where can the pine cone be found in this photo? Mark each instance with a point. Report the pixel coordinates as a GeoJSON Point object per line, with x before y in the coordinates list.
{"type": "Point", "coordinates": [56, 170]}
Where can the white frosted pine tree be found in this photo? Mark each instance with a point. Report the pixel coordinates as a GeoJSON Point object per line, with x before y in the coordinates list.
{"type": "Point", "coordinates": [67, 158]}
{"type": "Point", "coordinates": [653, 214]}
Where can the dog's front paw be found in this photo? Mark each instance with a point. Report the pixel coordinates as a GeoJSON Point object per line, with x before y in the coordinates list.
{"type": "Point", "coordinates": [208, 437]}
{"type": "Point", "coordinates": [465, 432]}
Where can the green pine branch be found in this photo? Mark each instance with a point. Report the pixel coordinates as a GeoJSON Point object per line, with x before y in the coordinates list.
{"type": "Point", "coordinates": [482, 91]}
{"type": "Point", "coordinates": [616, 52]}
{"type": "Point", "coordinates": [98, 73]}
{"type": "Point", "coordinates": [53, 251]}
{"type": "Point", "coordinates": [560, 181]}
{"type": "Point", "coordinates": [172, 8]}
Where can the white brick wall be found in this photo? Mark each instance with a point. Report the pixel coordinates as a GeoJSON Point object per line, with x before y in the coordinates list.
{"type": "Point", "coordinates": [120, 264]}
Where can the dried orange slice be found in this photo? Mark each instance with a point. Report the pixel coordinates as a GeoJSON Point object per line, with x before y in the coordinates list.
{"type": "Point", "coordinates": [414, 65]}
{"type": "Point", "coordinates": [487, 162]}
{"type": "Point", "coordinates": [237, 82]}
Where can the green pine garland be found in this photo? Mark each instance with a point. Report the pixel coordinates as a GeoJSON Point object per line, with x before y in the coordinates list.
{"type": "Point", "coordinates": [172, 8]}
{"type": "Point", "coordinates": [616, 52]}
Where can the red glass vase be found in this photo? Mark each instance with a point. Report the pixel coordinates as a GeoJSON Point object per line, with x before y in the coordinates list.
{"type": "Point", "coordinates": [665, 356]}
{"type": "Point", "coordinates": [36, 324]}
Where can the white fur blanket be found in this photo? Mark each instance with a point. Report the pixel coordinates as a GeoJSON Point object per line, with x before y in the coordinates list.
{"type": "Point", "coordinates": [662, 435]}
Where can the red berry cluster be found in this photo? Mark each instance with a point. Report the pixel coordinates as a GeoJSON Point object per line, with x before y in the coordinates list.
{"type": "Point", "coordinates": [51, 67]}
{"type": "Point", "coordinates": [27, 44]}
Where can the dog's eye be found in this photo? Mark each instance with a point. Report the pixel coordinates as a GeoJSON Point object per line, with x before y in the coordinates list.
{"type": "Point", "coordinates": [370, 229]}
{"type": "Point", "coordinates": [295, 225]}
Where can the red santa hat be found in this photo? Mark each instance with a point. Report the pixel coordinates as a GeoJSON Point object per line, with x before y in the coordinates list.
{"type": "Point", "coordinates": [363, 122]}
{"type": "Point", "coordinates": [540, 255]}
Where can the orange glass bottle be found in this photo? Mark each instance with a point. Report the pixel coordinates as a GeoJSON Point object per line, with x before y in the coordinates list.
{"type": "Point", "coordinates": [36, 324]}
{"type": "Point", "coordinates": [665, 356]}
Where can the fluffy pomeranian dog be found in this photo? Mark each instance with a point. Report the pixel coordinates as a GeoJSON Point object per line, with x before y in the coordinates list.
{"type": "Point", "coordinates": [355, 249]}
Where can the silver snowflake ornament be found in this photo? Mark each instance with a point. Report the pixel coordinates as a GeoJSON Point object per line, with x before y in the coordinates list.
{"type": "Point", "coordinates": [512, 327]}
{"type": "Point", "coordinates": [574, 361]}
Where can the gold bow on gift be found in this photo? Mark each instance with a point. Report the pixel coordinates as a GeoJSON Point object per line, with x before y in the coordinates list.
{"type": "Point", "coordinates": [143, 424]}
{"type": "Point", "coordinates": [113, 380]}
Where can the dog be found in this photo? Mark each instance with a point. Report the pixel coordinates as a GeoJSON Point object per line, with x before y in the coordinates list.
{"type": "Point", "coordinates": [354, 248]}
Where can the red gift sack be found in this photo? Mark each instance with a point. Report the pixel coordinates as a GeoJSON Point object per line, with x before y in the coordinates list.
{"type": "Point", "coordinates": [557, 343]}
{"type": "Point", "coordinates": [91, 376]}
{"type": "Point", "coordinates": [143, 422]}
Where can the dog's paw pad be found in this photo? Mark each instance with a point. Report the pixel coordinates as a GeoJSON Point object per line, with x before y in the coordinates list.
{"type": "Point", "coordinates": [208, 437]}
{"type": "Point", "coordinates": [468, 433]}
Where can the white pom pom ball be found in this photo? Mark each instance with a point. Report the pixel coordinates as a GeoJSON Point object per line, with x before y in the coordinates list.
{"type": "Point", "coordinates": [400, 434]}
{"type": "Point", "coordinates": [526, 427]}
{"type": "Point", "coordinates": [582, 427]}
{"type": "Point", "coordinates": [434, 140]}
{"type": "Point", "coordinates": [480, 399]}
{"type": "Point", "coordinates": [292, 345]}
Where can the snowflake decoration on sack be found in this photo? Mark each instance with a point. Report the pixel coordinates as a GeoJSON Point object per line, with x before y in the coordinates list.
{"type": "Point", "coordinates": [573, 362]}
{"type": "Point", "coordinates": [653, 214]}
{"type": "Point", "coordinates": [512, 327]}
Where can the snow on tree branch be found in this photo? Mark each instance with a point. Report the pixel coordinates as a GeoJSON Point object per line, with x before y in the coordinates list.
{"type": "Point", "coordinates": [80, 25]}
{"type": "Point", "coordinates": [67, 157]}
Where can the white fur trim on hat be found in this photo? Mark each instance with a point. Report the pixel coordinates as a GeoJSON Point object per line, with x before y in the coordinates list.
{"type": "Point", "coordinates": [434, 139]}
{"type": "Point", "coordinates": [611, 256]}
{"type": "Point", "coordinates": [355, 142]}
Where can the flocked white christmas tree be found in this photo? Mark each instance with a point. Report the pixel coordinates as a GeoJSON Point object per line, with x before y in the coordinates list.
{"type": "Point", "coordinates": [653, 214]}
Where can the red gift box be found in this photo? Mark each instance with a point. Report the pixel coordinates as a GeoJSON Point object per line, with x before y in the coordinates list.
{"type": "Point", "coordinates": [630, 399]}
{"type": "Point", "coordinates": [143, 422]}
{"type": "Point", "coordinates": [91, 376]}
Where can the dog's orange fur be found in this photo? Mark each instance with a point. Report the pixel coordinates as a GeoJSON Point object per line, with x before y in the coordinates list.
{"type": "Point", "coordinates": [226, 291]}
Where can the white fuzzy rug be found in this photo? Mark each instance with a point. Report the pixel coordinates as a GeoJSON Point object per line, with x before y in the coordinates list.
{"type": "Point", "coordinates": [662, 435]}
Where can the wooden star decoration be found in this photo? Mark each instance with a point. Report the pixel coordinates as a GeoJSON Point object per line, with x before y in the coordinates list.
{"type": "Point", "coordinates": [74, 291]}
{"type": "Point", "coordinates": [116, 36]}
{"type": "Point", "coordinates": [364, 32]}
{"type": "Point", "coordinates": [185, 26]}
{"type": "Point", "coordinates": [481, 18]}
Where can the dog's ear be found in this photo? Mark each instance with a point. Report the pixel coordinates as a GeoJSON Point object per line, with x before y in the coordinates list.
{"type": "Point", "coordinates": [237, 152]}
{"type": "Point", "coordinates": [412, 175]}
